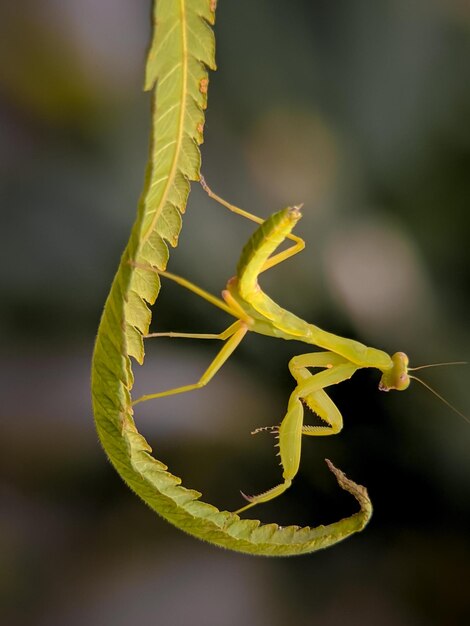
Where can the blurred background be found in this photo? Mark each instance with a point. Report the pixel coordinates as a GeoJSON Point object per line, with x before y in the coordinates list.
{"type": "Point", "coordinates": [359, 110]}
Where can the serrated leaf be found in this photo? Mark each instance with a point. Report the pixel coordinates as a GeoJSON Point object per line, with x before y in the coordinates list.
{"type": "Point", "coordinates": [182, 48]}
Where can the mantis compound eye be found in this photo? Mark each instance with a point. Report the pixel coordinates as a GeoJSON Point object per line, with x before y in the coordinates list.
{"type": "Point", "coordinates": [397, 376]}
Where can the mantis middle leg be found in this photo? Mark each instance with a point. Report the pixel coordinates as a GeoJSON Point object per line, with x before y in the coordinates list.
{"type": "Point", "coordinates": [310, 389]}
{"type": "Point", "coordinates": [232, 337]}
{"type": "Point", "coordinates": [238, 331]}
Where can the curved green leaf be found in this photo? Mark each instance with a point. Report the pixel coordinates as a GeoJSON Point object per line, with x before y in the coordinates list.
{"type": "Point", "coordinates": [182, 49]}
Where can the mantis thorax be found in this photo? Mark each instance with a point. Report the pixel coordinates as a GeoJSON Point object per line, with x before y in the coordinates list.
{"type": "Point", "coordinates": [397, 376]}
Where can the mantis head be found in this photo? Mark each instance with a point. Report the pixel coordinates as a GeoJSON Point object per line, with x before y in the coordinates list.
{"type": "Point", "coordinates": [397, 376]}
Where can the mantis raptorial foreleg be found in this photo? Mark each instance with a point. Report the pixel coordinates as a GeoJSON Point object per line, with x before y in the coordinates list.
{"type": "Point", "coordinates": [310, 389]}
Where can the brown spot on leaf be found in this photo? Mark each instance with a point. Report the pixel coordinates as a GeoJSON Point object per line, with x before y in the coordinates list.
{"type": "Point", "coordinates": [203, 85]}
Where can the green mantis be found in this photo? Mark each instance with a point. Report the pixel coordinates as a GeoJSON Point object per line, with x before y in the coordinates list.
{"type": "Point", "coordinates": [254, 311]}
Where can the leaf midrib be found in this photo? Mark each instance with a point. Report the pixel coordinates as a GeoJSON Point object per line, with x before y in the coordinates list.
{"type": "Point", "coordinates": [170, 179]}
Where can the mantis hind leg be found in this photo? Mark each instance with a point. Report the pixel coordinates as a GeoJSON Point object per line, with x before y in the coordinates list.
{"type": "Point", "coordinates": [228, 205]}
{"type": "Point", "coordinates": [298, 246]}
{"type": "Point", "coordinates": [309, 390]}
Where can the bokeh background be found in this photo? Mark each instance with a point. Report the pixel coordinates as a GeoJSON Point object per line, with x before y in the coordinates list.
{"type": "Point", "coordinates": [359, 110]}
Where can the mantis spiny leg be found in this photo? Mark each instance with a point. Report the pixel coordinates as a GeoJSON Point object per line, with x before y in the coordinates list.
{"type": "Point", "coordinates": [317, 399]}
{"type": "Point", "coordinates": [310, 389]}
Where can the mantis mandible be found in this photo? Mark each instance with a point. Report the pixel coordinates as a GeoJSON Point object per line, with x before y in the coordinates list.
{"type": "Point", "coordinates": [254, 311]}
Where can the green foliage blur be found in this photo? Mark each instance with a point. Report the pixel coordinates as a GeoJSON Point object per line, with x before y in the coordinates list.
{"type": "Point", "coordinates": [360, 111]}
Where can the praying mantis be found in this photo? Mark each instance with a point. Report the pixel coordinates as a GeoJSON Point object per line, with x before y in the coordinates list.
{"type": "Point", "coordinates": [254, 311]}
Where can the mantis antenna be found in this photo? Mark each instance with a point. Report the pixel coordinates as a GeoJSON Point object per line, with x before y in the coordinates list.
{"type": "Point", "coordinates": [433, 391]}
{"type": "Point", "coordinates": [422, 367]}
